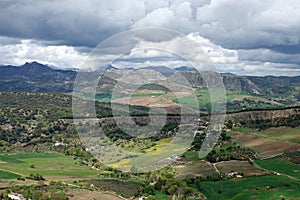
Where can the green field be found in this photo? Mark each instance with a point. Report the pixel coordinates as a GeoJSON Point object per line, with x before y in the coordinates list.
{"type": "Point", "coordinates": [203, 99]}
{"type": "Point", "coordinates": [46, 164]}
{"type": "Point", "coordinates": [8, 175]}
{"type": "Point", "coordinates": [261, 187]}
{"type": "Point", "coordinates": [146, 95]}
{"type": "Point", "coordinates": [278, 165]}
{"type": "Point", "coordinates": [193, 155]}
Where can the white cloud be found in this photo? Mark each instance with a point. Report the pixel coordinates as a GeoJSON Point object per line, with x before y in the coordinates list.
{"type": "Point", "coordinates": [229, 23]}
{"type": "Point", "coordinates": [247, 24]}
{"type": "Point", "coordinates": [241, 36]}
{"type": "Point", "coordinates": [151, 5]}
{"type": "Point", "coordinates": [30, 50]}
{"type": "Point", "coordinates": [160, 17]}
{"type": "Point", "coordinates": [149, 53]}
{"type": "Point", "coordinates": [249, 62]}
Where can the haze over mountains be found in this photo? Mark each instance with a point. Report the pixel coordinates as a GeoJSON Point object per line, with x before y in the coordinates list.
{"type": "Point", "coordinates": [36, 77]}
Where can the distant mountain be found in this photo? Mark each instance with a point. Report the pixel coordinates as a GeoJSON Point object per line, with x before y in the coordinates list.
{"type": "Point", "coordinates": [36, 77]}
{"type": "Point", "coordinates": [271, 86]}
{"type": "Point", "coordinates": [161, 69]}
{"type": "Point", "coordinates": [168, 71]}
{"type": "Point", "coordinates": [185, 68]}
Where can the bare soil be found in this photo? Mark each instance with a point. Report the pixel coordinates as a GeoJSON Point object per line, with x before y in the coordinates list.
{"type": "Point", "coordinates": [264, 146]}
{"type": "Point", "coordinates": [244, 167]}
{"type": "Point", "coordinates": [90, 195]}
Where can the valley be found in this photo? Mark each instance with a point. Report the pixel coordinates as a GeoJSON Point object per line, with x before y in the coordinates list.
{"type": "Point", "coordinates": [256, 156]}
{"type": "Point", "coordinates": [48, 134]}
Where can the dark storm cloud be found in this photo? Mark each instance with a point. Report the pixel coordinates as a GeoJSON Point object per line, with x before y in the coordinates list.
{"type": "Point", "coordinates": [232, 24]}
{"type": "Point", "coordinates": [260, 31]}
{"type": "Point", "coordinates": [73, 23]}
{"type": "Point", "coordinates": [267, 55]}
{"type": "Point", "coordinates": [291, 49]}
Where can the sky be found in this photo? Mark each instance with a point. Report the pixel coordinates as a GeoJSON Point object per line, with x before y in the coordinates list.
{"type": "Point", "coordinates": [257, 37]}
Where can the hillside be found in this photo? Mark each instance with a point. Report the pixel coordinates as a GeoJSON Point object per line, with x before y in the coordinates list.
{"type": "Point", "coordinates": [40, 122]}
{"type": "Point", "coordinates": [280, 86]}
{"type": "Point", "coordinates": [35, 77]}
{"type": "Point", "coordinates": [39, 77]}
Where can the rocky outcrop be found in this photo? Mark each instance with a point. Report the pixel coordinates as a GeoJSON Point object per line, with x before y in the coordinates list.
{"type": "Point", "coordinates": [272, 117]}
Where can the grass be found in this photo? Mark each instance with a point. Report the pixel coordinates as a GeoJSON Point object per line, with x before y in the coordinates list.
{"type": "Point", "coordinates": [278, 165]}
{"type": "Point", "coordinates": [204, 99]}
{"type": "Point", "coordinates": [46, 164]}
{"type": "Point", "coordinates": [18, 157]}
{"type": "Point", "coordinates": [193, 155]}
{"type": "Point", "coordinates": [260, 187]}
{"type": "Point", "coordinates": [243, 130]}
{"type": "Point", "coordinates": [160, 195]}
{"type": "Point", "coordinates": [124, 163]}
{"type": "Point", "coordinates": [158, 145]}
{"type": "Point", "coordinates": [136, 146]}
{"type": "Point", "coordinates": [107, 97]}
{"type": "Point", "coordinates": [189, 101]}
{"type": "Point", "coordinates": [8, 175]}
{"type": "Point", "coordinates": [146, 94]}
{"type": "Point", "coordinates": [158, 149]}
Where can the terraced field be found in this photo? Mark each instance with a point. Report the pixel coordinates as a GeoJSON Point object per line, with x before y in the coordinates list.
{"type": "Point", "coordinates": [282, 133]}
{"type": "Point", "coordinates": [270, 142]}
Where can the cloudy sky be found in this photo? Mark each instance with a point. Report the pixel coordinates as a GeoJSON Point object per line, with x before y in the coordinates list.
{"type": "Point", "coordinates": [257, 37]}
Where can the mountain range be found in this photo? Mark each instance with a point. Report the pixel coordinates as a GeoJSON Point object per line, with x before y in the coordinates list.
{"type": "Point", "coordinates": [36, 77]}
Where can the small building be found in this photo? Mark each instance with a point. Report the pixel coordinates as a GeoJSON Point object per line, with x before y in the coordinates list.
{"type": "Point", "coordinates": [234, 174]}
{"type": "Point", "coordinates": [16, 196]}
{"type": "Point", "coordinates": [56, 144]}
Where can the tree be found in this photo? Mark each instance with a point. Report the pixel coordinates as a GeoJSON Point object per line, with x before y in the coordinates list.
{"type": "Point", "coordinates": [229, 124]}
